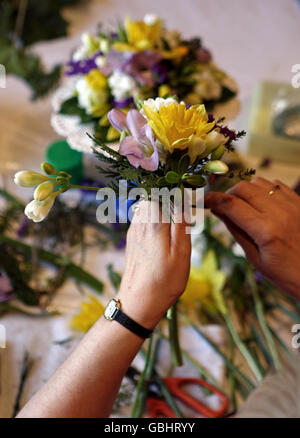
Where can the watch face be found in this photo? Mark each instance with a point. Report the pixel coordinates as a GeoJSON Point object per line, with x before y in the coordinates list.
{"type": "Point", "coordinates": [110, 309]}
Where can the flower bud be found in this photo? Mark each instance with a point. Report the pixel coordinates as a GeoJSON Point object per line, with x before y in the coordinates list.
{"type": "Point", "coordinates": [218, 153]}
{"type": "Point", "coordinates": [37, 211]}
{"type": "Point", "coordinates": [213, 140]}
{"type": "Point", "coordinates": [48, 168]}
{"type": "Point", "coordinates": [43, 190]}
{"type": "Point", "coordinates": [217, 167]}
{"type": "Point", "coordinates": [197, 148]}
{"type": "Point", "coordinates": [164, 90]}
{"type": "Point", "coordinates": [28, 178]}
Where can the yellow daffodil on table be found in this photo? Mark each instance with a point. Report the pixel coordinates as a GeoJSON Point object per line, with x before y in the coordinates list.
{"type": "Point", "coordinates": [90, 312]}
{"type": "Point", "coordinates": [205, 286]}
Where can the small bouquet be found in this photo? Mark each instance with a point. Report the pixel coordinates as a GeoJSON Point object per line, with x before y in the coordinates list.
{"type": "Point", "coordinates": [138, 60]}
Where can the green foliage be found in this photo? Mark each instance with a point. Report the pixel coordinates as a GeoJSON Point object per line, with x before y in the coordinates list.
{"type": "Point", "coordinates": [114, 277]}
{"type": "Point", "coordinates": [23, 23]}
{"type": "Point", "coordinates": [70, 107]}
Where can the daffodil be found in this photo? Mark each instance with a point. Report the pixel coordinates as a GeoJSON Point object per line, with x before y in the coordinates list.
{"type": "Point", "coordinates": [177, 127]}
{"type": "Point", "coordinates": [205, 285]}
{"type": "Point", "coordinates": [140, 36]}
{"type": "Point", "coordinates": [90, 312]}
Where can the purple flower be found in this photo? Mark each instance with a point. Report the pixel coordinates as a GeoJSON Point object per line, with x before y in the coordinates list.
{"type": "Point", "coordinates": [115, 60]}
{"type": "Point", "coordinates": [160, 70]}
{"type": "Point", "coordinates": [203, 55]}
{"type": "Point", "coordinates": [83, 66]}
{"type": "Point", "coordinates": [22, 227]}
{"type": "Point", "coordinates": [258, 276]}
{"type": "Point", "coordinates": [5, 289]}
{"type": "Point", "coordinates": [139, 147]}
{"type": "Point", "coordinates": [129, 101]}
{"type": "Point", "coordinates": [140, 66]}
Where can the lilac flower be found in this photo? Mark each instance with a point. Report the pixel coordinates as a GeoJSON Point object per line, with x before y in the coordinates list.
{"type": "Point", "coordinates": [129, 101]}
{"type": "Point", "coordinates": [82, 66]}
{"type": "Point", "coordinates": [203, 55]}
{"type": "Point", "coordinates": [210, 118]}
{"type": "Point", "coordinates": [115, 61]}
{"type": "Point", "coordinates": [140, 66]}
{"type": "Point", "coordinates": [160, 70]}
{"type": "Point", "coordinates": [5, 289]}
{"type": "Point", "coordinates": [139, 147]}
{"type": "Point", "coordinates": [258, 276]}
{"type": "Point", "coordinates": [22, 228]}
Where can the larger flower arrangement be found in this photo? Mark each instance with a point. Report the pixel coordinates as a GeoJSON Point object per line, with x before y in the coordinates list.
{"type": "Point", "coordinates": [140, 60]}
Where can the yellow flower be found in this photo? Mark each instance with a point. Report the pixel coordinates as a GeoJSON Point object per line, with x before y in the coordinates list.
{"type": "Point", "coordinates": [112, 134]}
{"type": "Point", "coordinates": [140, 35]}
{"type": "Point", "coordinates": [164, 90]}
{"type": "Point", "coordinates": [176, 53]}
{"type": "Point", "coordinates": [205, 286]}
{"type": "Point", "coordinates": [90, 312]}
{"type": "Point", "coordinates": [92, 92]}
{"type": "Point", "coordinates": [176, 126]}
{"type": "Point", "coordinates": [96, 79]}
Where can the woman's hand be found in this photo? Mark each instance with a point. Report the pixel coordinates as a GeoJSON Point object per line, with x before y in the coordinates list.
{"type": "Point", "coordinates": [157, 267]}
{"type": "Point", "coordinates": [266, 226]}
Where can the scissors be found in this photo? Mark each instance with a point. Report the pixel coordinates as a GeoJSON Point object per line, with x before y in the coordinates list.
{"type": "Point", "coordinates": [159, 408]}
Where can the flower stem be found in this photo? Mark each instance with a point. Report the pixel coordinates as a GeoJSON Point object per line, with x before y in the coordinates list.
{"type": "Point", "coordinates": [72, 270]}
{"type": "Point", "coordinates": [137, 410]}
{"type": "Point", "coordinates": [259, 309]}
{"type": "Point", "coordinates": [173, 337]}
{"type": "Point", "coordinates": [243, 349]}
{"type": "Point", "coordinates": [76, 186]}
{"type": "Point", "coordinates": [165, 391]}
{"type": "Point", "coordinates": [247, 382]}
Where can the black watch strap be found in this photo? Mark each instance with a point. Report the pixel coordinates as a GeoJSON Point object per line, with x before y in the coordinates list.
{"type": "Point", "coordinates": [131, 325]}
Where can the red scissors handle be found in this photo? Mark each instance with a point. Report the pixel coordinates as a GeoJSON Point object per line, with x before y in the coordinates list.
{"type": "Point", "coordinates": [158, 408]}
{"type": "Point", "coordinates": [174, 385]}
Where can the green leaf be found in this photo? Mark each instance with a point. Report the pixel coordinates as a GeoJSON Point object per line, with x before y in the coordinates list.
{"type": "Point", "coordinates": [70, 107]}
{"type": "Point", "coordinates": [183, 164]}
{"type": "Point", "coordinates": [114, 277]}
{"type": "Point", "coordinates": [195, 180]}
{"type": "Point", "coordinates": [172, 177]}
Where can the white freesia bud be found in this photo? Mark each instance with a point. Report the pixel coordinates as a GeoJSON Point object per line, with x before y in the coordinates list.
{"type": "Point", "coordinates": [37, 211]}
{"type": "Point", "coordinates": [196, 148]}
{"type": "Point", "coordinates": [43, 190]}
{"type": "Point", "coordinates": [217, 167]}
{"type": "Point", "coordinates": [100, 61]}
{"type": "Point", "coordinates": [214, 139]}
{"type": "Point", "coordinates": [29, 178]}
{"type": "Point", "coordinates": [150, 19]}
{"type": "Point", "coordinates": [87, 40]}
{"type": "Point", "coordinates": [104, 46]}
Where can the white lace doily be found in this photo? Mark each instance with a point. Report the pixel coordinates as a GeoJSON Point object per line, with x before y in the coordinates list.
{"type": "Point", "coordinates": [70, 126]}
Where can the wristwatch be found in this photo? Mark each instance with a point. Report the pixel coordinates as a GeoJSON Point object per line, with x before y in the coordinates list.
{"type": "Point", "coordinates": [113, 313]}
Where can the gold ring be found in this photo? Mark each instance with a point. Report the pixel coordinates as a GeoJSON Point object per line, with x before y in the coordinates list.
{"type": "Point", "coordinates": [273, 189]}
